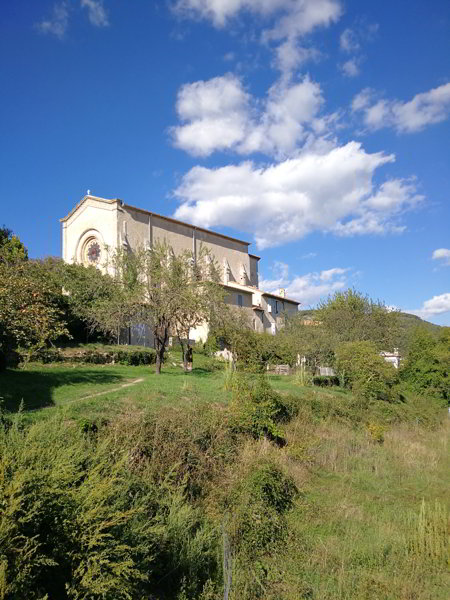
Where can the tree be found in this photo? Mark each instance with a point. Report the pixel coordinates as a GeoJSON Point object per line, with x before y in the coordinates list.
{"type": "Point", "coordinates": [11, 248]}
{"type": "Point", "coordinates": [364, 371]}
{"type": "Point", "coordinates": [307, 339]}
{"type": "Point", "coordinates": [200, 297]}
{"type": "Point", "coordinates": [30, 313]}
{"type": "Point", "coordinates": [168, 293]}
{"type": "Point", "coordinates": [350, 316]}
{"type": "Point", "coordinates": [427, 366]}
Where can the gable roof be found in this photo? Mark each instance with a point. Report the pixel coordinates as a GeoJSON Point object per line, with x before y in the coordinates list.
{"type": "Point", "coordinates": [148, 212]}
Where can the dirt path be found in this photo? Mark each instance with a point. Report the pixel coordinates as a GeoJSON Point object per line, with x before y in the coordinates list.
{"type": "Point", "coordinates": [121, 387]}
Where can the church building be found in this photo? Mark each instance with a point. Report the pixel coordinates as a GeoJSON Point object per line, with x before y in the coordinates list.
{"type": "Point", "coordinates": [96, 226]}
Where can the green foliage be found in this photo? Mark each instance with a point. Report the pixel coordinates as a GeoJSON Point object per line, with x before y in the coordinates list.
{"type": "Point", "coordinates": [252, 351]}
{"type": "Point", "coordinates": [365, 372]}
{"type": "Point", "coordinates": [299, 338]}
{"type": "Point", "coordinates": [147, 503]}
{"type": "Point", "coordinates": [350, 316]}
{"type": "Point", "coordinates": [30, 313]}
{"type": "Point", "coordinates": [86, 290]}
{"type": "Point", "coordinates": [12, 250]}
{"type": "Point", "coordinates": [167, 292]}
{"type": "Point", "coordinates": [376, 432]}
{"type": "Point", "coordinates": [90, 521]}
{"type": "Point", "coordinates": [257, 408]}
{"type": "Point", "coordinates": [427, 367]}
{"type": "Point", "coordinates": [100, 355]}
{"type": "Point", "coordinates": [256, 506]}
{"type": "Point", "coordinates": [325, 380]}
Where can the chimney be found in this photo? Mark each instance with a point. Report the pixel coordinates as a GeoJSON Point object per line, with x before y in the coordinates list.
{"type": "Point", "coordinates": [282, 292]}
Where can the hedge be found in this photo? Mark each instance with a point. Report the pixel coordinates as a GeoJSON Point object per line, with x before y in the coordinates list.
{"type": "Point", "coordinates": [98, 356]}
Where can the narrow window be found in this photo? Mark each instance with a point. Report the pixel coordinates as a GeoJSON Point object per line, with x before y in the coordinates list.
{"type": "Point", "coordinates": [239, 299]}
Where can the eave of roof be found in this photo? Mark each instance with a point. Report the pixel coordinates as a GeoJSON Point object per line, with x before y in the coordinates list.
{"type": "Point", "coordinates": [83, 200]}
{"type": "Point", "coordinates": [254, 290]}
{"type": "Point", "coordinates": [280, 298]}
{"type": "Point", "coordinates": [148, 212]}
{"type": "Point", "coordinates": [222, 235]}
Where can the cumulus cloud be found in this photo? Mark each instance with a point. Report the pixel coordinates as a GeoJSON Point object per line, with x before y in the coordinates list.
{"type": "Point", "coordinates": [215, 115]}
{"type": "Point", "coordinates": [309, 288]}
{"type": "Point", "coordinates": [330, 192]}
{"type": "Point", "coordinates": [299, 15]}
{"type": "Point", "coordinates": [287, 21]}
{"type": "Point", "coordinates": [442, 254]}
{"type": "Point", "coordinates": [58, 22]}
{"type": "Point", "coordinates": [405, 117]}
{"type": "Point", "coordinates": [437, 305]}
{"type": "Point", "coordinates": [96, 12]}
{"type": "Point", "coordinates": [219, 114]}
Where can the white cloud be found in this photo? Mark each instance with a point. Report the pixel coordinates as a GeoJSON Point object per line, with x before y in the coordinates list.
{"type": "Point", "coordinates": [362, 100]}
{"type": "Point", "coordinates": [216, 115]}
{"type": "Point", "coordinates": [437, 305]}
{"type": "Point", "coordinates": [309, 288]}
{"type": "Point", "coordinates": [59, 21]}
{"type": "Point", "coordinates": [442, 254]}
{"type": "Point", "coordinates": [351, 67]}
{"type": "Point", "coordinates": [331, 191]}
{"type": "Point", "coordinates": [300, 15]}
{"type": "Point", "coordinates": [290, 54]}
{"type": "Point", "coordinates": [405, 117]}
{"type": "Point", "coordinates": [96, 12]}
{"type": "Point", "coordinates": [219, 114]}
{"type": "Point", "coordinates": [287, 21]}
{"type": "Point", "coordinates": [349, 41]}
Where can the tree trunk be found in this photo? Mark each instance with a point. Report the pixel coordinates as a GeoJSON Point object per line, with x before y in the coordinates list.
{"type": "Point", "coordinates": [184, 349]}
{"type": "Point", "coordinates": [161, 336]}
{"type": "Point", "coordinates": [158, 362]}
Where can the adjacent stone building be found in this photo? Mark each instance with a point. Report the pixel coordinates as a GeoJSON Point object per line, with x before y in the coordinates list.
{"type": "Point", "coordinates": [97, 226]}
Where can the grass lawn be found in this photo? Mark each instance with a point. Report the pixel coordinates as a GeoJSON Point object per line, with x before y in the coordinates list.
{"type": "Point", "coordinates": [95, 391]}
{"type": "Point", "coordinates": [369, 519]}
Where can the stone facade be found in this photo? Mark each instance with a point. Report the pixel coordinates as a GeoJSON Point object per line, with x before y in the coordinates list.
{"type": "Point", "coordinates": [97, 226]}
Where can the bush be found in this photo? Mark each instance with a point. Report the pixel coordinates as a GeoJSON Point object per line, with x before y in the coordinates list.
{"type": "Point", "coordinates": [365, 372]}
{"type": "Point", "coordinates": [257, 408]}
{"type": "Point", "coordinates": [325, 380]}
{"type": "Point", "coordinates": [103, 355]}
{"type": "Point", "coordinates": [89, 521]}
{"type": "Point", "coordinates": [427, 367]}
{"type": "Point", "coordinates": [256, 503]}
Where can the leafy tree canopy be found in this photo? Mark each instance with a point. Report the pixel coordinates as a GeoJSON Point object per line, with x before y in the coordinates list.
{"type": "Point", "coordinates": [11, 248]}
{"type": "Point", "coordinates": [427, 367]}
{"type": "Point", "coordinates": [30, 313]}
{"type": "Point", "coordinates": [351, 316]}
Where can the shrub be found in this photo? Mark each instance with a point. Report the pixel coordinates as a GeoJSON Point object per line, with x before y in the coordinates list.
{"type": "Point", "coordinates": [257, 408]}
{"type": "Point", "coordinates": [124, 355]}
{"type": "Point", "coordinates": [325, 380]}
{"type": "Point", "coordinates": [427, 367]}
{"type": "Point", "coordinates": [256, 505]}
{"type": "Point", "coordinates": [365, 372]}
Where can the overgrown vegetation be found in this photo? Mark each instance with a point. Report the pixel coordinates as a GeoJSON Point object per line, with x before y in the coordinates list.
{"type": "Point", "coordinates": [228, 482]}
{"type": "Point", "coordinates": [268, 497]}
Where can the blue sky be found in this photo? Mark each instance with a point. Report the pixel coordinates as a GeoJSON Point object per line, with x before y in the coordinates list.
{"type": "Point", "coordinates": [317, 129]}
